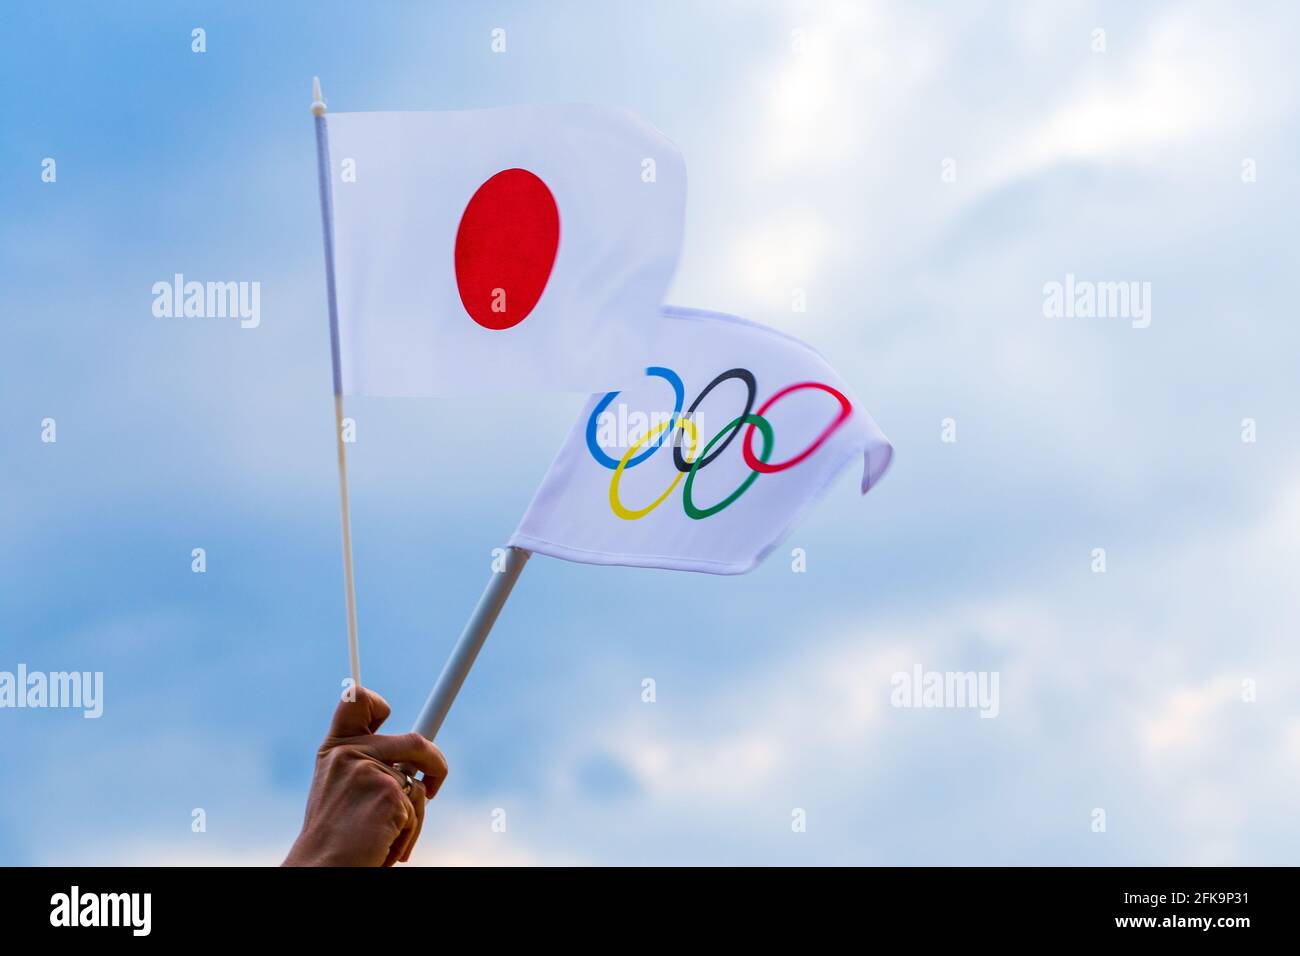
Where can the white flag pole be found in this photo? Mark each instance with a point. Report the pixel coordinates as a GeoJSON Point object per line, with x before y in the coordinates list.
{"type": "Point", "coordinates": [327, 221]}
{"type": "Point", "coordinates": [471, 641]}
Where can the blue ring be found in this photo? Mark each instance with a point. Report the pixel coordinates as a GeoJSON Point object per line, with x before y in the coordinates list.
{"type": "Point", "coordinates": [598, 453]}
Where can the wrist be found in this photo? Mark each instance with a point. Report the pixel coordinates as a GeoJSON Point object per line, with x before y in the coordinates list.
{"type": "Point", "coordinates": [308, 852]}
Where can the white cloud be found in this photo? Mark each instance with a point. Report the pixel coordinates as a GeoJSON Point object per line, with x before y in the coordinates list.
{"type": "Point", "coordinates": [1183, 78]}
{"type": "Point", "coordinates": [1112, 715]}
{"type": "Point", "coordinates": [1187, 716]}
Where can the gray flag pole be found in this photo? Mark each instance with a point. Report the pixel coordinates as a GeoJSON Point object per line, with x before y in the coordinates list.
{"type": "Point", "coordinates": [327, 221]}
{"type": "Point", "coordinates": [470, 643]}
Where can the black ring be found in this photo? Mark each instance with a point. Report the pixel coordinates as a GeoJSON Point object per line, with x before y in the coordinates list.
{"type": "Point", "coordinates": [746, 376]}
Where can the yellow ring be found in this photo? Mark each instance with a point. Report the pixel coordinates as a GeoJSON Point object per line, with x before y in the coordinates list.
{"type": "Point", "coordinates": [617, 505]}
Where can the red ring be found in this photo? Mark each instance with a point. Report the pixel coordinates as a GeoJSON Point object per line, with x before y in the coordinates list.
{"type": "Point", "coordinates": [747, 447]}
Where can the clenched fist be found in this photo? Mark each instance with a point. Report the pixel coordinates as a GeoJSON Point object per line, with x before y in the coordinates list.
{"type": "Point", "coordinates": [364, 809]}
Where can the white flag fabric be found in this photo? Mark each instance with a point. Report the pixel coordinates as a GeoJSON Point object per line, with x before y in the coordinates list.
{"type": "Point", "coordinates": [501, 249]}
{"type": "Point", "coordinates": [708, 459]}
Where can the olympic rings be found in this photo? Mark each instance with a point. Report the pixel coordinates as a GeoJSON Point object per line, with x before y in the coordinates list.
{"type": "Point", "coordinates": [761, 466]}
{"type": "Point", "coordinates": [689, 466]}
{"type": "Point", "coordinates": [746, 376]}
{"type": "Point", "coordinates": [626, 513]}
{"type": "Point", "coordinates": [679, 396]}
{"type": "Point", "coordinates": [753, 421]}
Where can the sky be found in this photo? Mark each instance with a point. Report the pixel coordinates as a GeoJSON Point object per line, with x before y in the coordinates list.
{"type": "Point", "coordinates": [919, 172]}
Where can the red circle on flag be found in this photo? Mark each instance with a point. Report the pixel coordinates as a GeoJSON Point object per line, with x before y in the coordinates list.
{"type": "Point", "coordinates": [505, 248]}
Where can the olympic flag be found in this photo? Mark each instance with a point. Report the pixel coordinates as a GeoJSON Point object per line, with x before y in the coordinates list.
{"type": "Point", "coordinates": [708, 458]}
{"type": "Point", "coordinates": [517, 248]}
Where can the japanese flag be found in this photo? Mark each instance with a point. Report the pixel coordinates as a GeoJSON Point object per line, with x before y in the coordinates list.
{"type": "Point", "coordinates": [501, 249]}
{"type": "Point", "coordinates": [707, 459]}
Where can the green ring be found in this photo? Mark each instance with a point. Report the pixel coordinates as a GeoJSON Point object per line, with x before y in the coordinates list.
{"type": "Point", "coordinates": [758, 422]}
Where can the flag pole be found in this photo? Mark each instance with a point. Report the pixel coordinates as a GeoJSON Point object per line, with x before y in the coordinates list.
{"type": "Point", "coordinates": [470, 643]}
{"type": "Point", "coordinates": [327, 221]}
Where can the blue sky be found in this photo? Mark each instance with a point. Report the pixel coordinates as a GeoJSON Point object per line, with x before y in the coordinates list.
{"type": "Point", "coordinates": [818, 170]}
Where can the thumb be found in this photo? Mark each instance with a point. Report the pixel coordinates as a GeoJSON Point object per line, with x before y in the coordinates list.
{"type": "Point", "coordinates": [356, 718]}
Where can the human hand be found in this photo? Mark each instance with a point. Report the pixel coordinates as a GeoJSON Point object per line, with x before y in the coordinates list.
{"type": "Point", "coordinates": [358, 811]}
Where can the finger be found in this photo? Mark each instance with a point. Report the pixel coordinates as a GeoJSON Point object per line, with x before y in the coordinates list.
{"type": "Point", "coordinates": [432, 785]}
{"type": "Point", "coordinates": [418, 801]}
{"type": "Point", "coordinates": [409, 749]}
{"type": "Point", "coordinates": [405, 827]}
{"type": "Point", "coordinates": [356, 718]}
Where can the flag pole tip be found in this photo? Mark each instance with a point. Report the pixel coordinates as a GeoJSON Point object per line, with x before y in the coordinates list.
{"type": "Point", "coordinates": [317, 101]}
